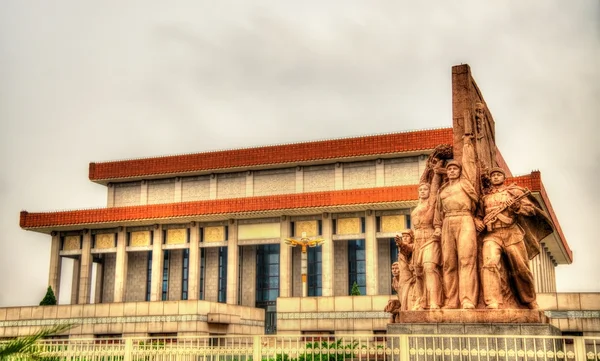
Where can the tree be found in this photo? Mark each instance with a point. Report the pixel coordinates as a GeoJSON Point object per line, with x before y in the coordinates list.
{"type": "Point", "coordinates": [49, 299]}
{"type": "Point", "coordinates": [355, 290]}
{"type": "Point", "coordinates": [25, 348]}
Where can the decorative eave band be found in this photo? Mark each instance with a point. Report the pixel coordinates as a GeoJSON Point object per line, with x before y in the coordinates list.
{"type": "Point", "coordinates": [271, 155]}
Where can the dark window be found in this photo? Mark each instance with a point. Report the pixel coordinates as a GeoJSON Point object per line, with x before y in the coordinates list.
{"type": "Point", "coordinates": [314, 271]}
{"type": "Point", "coordinates": [202, 272]}
{"type": "Point", "coordinates": [267, 273]}
{"type": "Point", "coordinates": [267, 284]}
{"type": "Point", "coordinates": [149, 277]}
{"type": "Point", "coordinates": [222, 274]}
{"type": "Point", "coordinates": [185, 275]}
{"type": "Point", "coordinates": [393, 251]}
{"type": "Point", "coordinates": [165, 276]}
{"type": "Point", "coordinates": [357, 265]}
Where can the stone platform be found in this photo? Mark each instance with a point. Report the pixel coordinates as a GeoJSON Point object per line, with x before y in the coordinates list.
{"type": "Point", "coordinates": [473, 316]}
{"type": "Point", "coordinates": [474, 322]}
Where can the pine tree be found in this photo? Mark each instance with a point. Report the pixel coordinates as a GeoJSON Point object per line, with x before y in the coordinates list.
{"type": "Point", "coordinates": [49, 299]}
{"type": "Point", "coordinates": [355, 290]}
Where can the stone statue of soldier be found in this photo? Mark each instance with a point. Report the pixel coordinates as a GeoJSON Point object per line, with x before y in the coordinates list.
{"type": "Point", "coordinates": [508, 212]}
{"type": "Point", "coordinates": [427, 254]}
{"type": "Point", "coordinates": [454, 222]}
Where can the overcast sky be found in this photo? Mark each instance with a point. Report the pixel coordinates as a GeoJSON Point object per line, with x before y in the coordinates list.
{"type": "Point", "coordinates": [94, 81]}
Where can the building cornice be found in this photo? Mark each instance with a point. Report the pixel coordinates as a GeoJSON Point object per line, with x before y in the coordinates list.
{"type": "Point", "coordinates": [285, 154]}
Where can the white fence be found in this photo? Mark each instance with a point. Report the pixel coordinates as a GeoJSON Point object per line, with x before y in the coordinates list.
{"type": "Point", "coordinates": [324, 348]}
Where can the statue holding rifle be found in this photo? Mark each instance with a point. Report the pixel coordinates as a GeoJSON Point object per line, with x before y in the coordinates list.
{"type": "Point", "coordinates": [513, 225]}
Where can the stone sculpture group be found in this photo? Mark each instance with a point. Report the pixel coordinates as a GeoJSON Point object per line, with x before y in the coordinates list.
{"type": "Point", "coordinates": [472, 235]}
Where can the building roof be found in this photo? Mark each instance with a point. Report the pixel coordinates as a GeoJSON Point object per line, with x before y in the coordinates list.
{"type": "Point", "coordinates": [273, 205]}
{"type": "Point", "coordinates": [248, 158]}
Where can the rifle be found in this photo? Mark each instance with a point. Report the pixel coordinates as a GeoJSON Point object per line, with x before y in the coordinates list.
{"type": "Point", "coordinates": [494, 214]}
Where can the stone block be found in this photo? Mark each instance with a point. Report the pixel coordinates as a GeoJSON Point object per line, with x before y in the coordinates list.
{"type": "Point", "coordinates": [325, 304]}
{"type": "Point", "coordinates": [568, 301]}
{"type": "Point", "coordinates": [63, 312]}
{"type": "Point", "coordinates": [308, 324]}
{"type": "Point", "coordinates": [129, 309]}
{"type": "Point", "coordinates": [49, 312]}
{"type": "Point", "coordinates": [3, 313]}
{"type": "Point", "coordinates": [102, 310]}
{"type": "Point", "coordinates": [115, 309]}
{"type": "Point", "coordinates": [203, 307]}
{"type": "Point", "coordinates": [141, 327]}
{"type": "Point", "coordinates": [101, 329]}
{"type": "Point", "coordinates": [478, 328]}
{"type": "Point", "coordinates": [115, 328]}
{"type": "Point", "coordinates": [37, 312]}
{"type": "Point", "coordinates": [288, 304]}
{"type": "Point", "coordinates": [169, 327]}
{"type": "Point", "coordinates": [590, 301]}
{"type": "Point", "coordinates": [326, 324]}
{"type": "Point", "coordinates": [344, 324]}
{"type": "Point", "coordinates": [362, 303]}
{"type": "Point", "coordinates": [188, 307]}
{"type": "Point", "coordinates": [188, 326]}
{"type": "Point", "coordinates": [308, 304]}
{"type": "Point", "coordinates": [344, 303]}
{"type": "Point", "coordinates": [87, 329]}
{"type": "Point", "coordinates": [155, 327]}
{"type": "Point", "coordinates": [170, 307]}
{"type": "Point", "coordinates": [363, 324]}
{"type": "Point", "coordinates": [76, 311]}
{"type": "Point", "coordinates": [25, 313]}
{"type": "Point", "coordinates": [547, 301]}
{"type": "Point", "coordinates": [142, 308]}
{"type": "Point", "coordinates": [14, 313]}
{"type": "Point", "coordinates": [128, 329]}
{"type": "Point", "coordinates": [155, 308]}
{"type": "Point", "coordinates": [379, 302]}
{"type": "Point", "coordinates": [288, 325]}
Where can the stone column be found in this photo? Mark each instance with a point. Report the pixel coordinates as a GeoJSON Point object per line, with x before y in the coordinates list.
{"type": "Point", "coordinates": [157, 265]}
{"type": "Point", "coordinates": [299, 180]}
{"type": "Point", "coordinates": [55, 265]}
{"type": "Point", "coordinates": [421, 165]}
{"type": "Point", "coordinates": [121, 266]}
{"type": "Point", "coordinates": [110, 198]}
{"type": "Point", "coordinates": [213, 187]}
{"type": "Point", "coordinates": [327, 256]}
{"type": "Point", "coordinates": [99, 282]}
{"type": "Point", "coordinates": [85, 273]}
{"type": "Point", "coordinates": [285, 260]}
{"type": "Point", "coordinates": [75, 281]}
{"type": "Point", "coordinates": [371, 252]}
{"type": "Point", "coordinates": [249, 183]}
{"type": "Point", "coordinates": [194, 263]}
{"type": "Point", "coordinates": [144, 192]}
{"type": "Point", "coordinates": [177, 197]}
{"type": "Point", "coordinates": [232, 263]}
{"type": "Point", "coordinates": [339, 176]}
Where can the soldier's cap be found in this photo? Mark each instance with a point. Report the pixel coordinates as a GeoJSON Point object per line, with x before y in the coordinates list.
{"type": "Point", "coordinates": [497, 169]}
{"type": "Point", "coordinates": [455, 163]}
{"type": "Point", "coordinates": [408, 231]}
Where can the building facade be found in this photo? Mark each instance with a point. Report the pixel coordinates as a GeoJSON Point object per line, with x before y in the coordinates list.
{"type": "Point", "coordinates": [208, 230]}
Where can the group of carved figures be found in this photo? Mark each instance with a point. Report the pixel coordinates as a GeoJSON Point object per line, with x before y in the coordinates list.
{"type": "Point", "coordinates": [467, 248]}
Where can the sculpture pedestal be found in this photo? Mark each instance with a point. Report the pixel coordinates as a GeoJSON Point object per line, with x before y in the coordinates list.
{"type": "Point", "coordinates": [474, 322]}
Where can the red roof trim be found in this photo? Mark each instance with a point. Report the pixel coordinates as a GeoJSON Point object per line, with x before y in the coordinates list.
{"type": "Point", "coordinates": [220, 206]}
{"type": "Point", "coordinates": [276, 154]}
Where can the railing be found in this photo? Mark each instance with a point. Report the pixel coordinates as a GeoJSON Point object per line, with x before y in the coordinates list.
{"type": "Point", "coordinates": [324, 348]}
